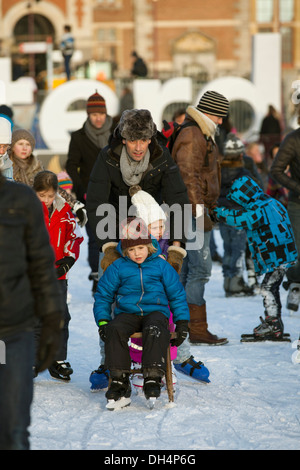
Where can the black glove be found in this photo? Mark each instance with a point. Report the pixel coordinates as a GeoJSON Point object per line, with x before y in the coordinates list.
{"type": "Point", "coordinates": [102, 329]}
{"type": "Point", "coordinates": [213, 215]}
{"type": "Point", "coordinates": [64, 265]}
{"type": "Point", "coordinates": [49, 341]}
{"type": "Point", "coordinates": [182, 330]}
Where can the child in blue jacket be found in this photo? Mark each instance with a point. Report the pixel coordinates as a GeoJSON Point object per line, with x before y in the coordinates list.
{"type": "Point", "coordinates": [271, 243]}
{"type": "Point", "coordinates": [143, 285]}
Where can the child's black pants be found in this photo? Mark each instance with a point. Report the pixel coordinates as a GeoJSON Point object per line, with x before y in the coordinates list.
{"type": "Point", "coordinates": [156, 338]}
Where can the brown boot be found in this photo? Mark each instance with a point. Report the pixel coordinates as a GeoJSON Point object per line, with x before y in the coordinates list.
{"type": "Point", "coordinates": [198, 327]}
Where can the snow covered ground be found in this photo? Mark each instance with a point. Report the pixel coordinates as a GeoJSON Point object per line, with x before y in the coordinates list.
{"type": "Point", "coordinates": [252, 402]}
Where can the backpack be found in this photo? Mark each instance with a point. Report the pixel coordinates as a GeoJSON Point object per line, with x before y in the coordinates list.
{"type": "Point", "coordinates": [171, 131]}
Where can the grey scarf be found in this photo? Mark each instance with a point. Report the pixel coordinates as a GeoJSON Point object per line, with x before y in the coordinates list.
{"type": "Point", "coordinates": [131, 170]}
{"type": "Point", "coordinates": [99, 136]}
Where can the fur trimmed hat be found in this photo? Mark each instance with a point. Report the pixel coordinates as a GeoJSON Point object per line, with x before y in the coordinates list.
{"type": "Point", "coordinates": [20, 134]}
{"type": "Point", "coordinates": [136, 124]}
{"type": "Point", "coordinates": [233, 146]}
{"type": "Point", "coordinates": [5, 129]}
{"type": "Point", "coordinates": [213, 103]}
{"type": "Point", "coordinates": [96, 104]}
{"type": "Point", "coordinates": [133, 232]}
{"type": "Point", "coordinates": [146, 206]}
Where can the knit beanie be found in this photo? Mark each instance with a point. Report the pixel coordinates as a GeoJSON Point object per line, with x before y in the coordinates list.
{"type": "Point", "coordinates": [96, 104]}
{"type": "Point", "coordinates": [7, 111]}
{"type": "Point", "coordinates": [5, 129]}
{"type": "Point", "coordinates": [213, 103]}
{"type": "Point", "coordinates": [20, 134]}
{"type": "Point", "coordinates": [233, 146]}
{"type": "Point", "coordinates": [146, 206]}
{"type": "Point", "coordinates": [64, 181]}
{"type": "Point", "coordinates": [133, 232]}
{"type": "Point", "coordinates": [136, 124]}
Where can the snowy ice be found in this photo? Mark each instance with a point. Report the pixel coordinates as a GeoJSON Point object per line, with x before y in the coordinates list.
{"type": "Point", "coordinates": [252, 402]}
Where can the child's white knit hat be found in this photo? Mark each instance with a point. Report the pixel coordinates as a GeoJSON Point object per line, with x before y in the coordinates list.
{"type": "Point", "coordinates": [5, 130]}
{"type": "Point", "coordinates": [146, 206]}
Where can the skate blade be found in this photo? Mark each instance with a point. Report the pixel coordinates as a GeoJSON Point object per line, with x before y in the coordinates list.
{"type": "Point", "coordinates": [219, 343]}
{"type": "Point", "coordinates": [113, 405]}
{"type": "Point", "coordinates": [254, 339]}
{"type": "Point", "coordinates": [61, 378]}
{"type": "Point", "coordinates": [151, 402]}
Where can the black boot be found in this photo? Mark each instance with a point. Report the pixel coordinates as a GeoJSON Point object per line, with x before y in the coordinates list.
{"type": "Point", "coordinates": [61, 370]}
{"type": "Point", "coordinates": [118, 394]}
{"type": "Point", "coordinates": [271, 327]}
{"type": "Point", "coordinates": [152, 386]}
{"type": "Point", "coordinates": [119, 386]}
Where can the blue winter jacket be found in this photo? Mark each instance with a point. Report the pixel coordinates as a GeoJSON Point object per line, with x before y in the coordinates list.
{"type": "Point", "coordinates": [141, 289]}
{"type": "Point", "coordinates": [266, 221]}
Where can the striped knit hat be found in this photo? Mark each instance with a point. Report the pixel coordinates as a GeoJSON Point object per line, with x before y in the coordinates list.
{"type": "Point", "coordinates": [96, 104]}
{"type": "Point", "coordinates": [64, 181]}
{"type": "Point", "coordinates": [213, 103]}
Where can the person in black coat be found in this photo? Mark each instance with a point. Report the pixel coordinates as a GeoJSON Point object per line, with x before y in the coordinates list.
{"type": "Point", "coordinates": [288, 157]}
{"type": "Point", "coordinates": [133, 157]}
{"type": "Point", "coordinates": [84, 147]}
{"type": "Point", "coordinates": [139, 68]}
{"type": "Point", "coordinates": [29, 292]}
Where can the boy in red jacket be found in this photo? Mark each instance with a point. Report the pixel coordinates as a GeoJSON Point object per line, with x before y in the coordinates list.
{"type": "Point", "coordinates": [65, 238]}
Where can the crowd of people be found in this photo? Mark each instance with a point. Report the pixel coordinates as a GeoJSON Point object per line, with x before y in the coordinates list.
{"type": "Point", "coordinates": [149, 262]}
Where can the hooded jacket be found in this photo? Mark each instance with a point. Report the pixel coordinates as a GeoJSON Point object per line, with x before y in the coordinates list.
{"type": "Point", "coordinates": [65, 235]}
{"type": "Point", "coordinates": [162, 180]}
{"type": "Point", "coordinates": [140, 289]}
{"type": "Point", "coordinates": [266, 221]}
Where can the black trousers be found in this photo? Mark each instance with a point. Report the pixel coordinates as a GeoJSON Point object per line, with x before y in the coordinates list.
{"type": "Point", "coordinates": [156, 338]}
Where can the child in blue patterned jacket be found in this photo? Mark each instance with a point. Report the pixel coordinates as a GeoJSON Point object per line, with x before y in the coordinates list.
{"type": "Point", "coordinates": [143, 286]}
{"type": "Point", "coordinates": [271, 243]}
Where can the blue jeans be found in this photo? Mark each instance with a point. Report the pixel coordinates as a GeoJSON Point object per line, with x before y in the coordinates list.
{"type": "Point", "coordinates": [16, 391]}
{"type": "Point", "coordinates": [293, 273]}
{"type": "Point", "coordinates": [234, 250]}
{"type": "Point", "coordinates": [196, 268]}
{"type": "Point", "coordinates": [67, 60]}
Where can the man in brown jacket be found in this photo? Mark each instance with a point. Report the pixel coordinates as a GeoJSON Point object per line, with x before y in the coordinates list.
{"type": "Point", "coordinates": [196, 154]}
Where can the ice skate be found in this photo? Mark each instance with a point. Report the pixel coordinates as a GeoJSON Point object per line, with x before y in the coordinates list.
{"type": "Point", "coordinates": [99, 379]}
{"type": "Point", "coordinates": [270, 329]}
{"type": "Point", "coordinates": [61, 370]}
{"type": "Point", "coordinates": [196, 370]}
{"type": "Point", "coordinates": [237, 287]}
{"type": "Point", "coordinates": [118, 394]}
{"type": "Point", "coordinates": [152, 387]}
